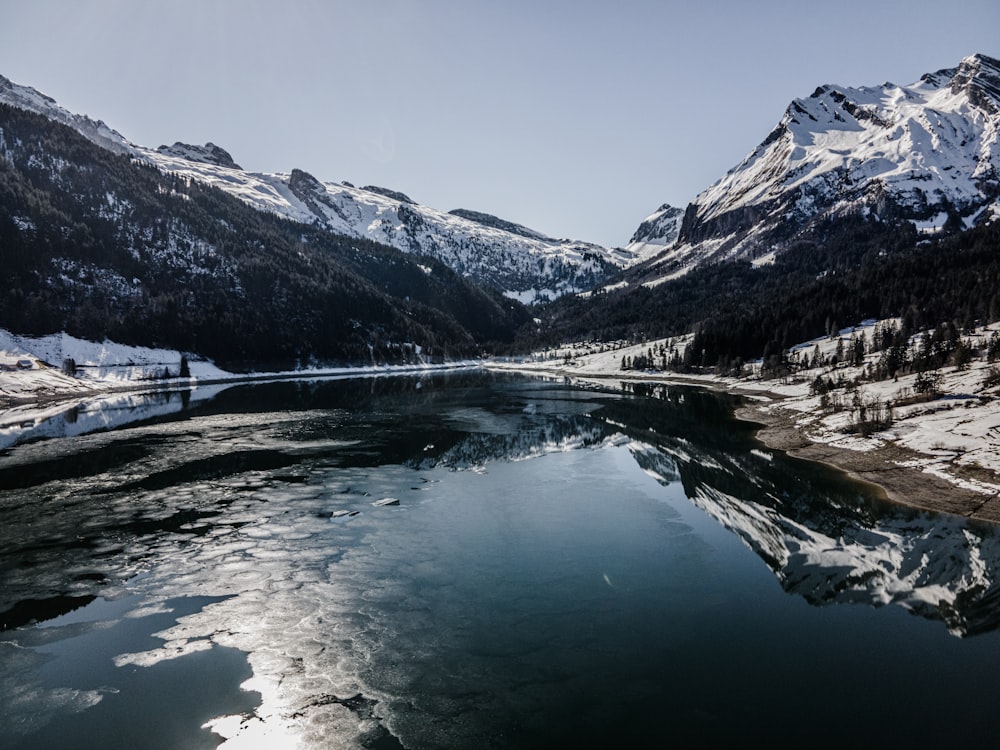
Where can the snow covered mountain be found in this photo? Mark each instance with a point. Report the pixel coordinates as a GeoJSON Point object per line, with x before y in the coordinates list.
{"type": "Point", "coordinates": [520, 262]}
{"type": "Point", "coordinates": [101, 244]}
{"type": "Point", "coordinates": [27, 98]}
{"type": "Point", "coordinates": [927, 153]}
{"type": "Point", "coordinates": [657, 232]}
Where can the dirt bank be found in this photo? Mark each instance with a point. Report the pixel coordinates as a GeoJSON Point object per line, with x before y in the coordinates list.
{"type": "Point", "coordinates": [879, 467]}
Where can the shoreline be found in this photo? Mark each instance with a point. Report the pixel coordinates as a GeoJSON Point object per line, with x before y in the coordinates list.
{"type": "Point", "coordinates": [79, 389]}
{"type": "Point", "coordinates": [881, 469]}
{"type": "Point", "coordinates": [35, 406]}
{"type": "Point", "coordinates": [893, 470]}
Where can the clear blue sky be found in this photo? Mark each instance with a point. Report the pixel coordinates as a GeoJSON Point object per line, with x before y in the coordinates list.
{"type": "Point", "coordinates": [575, 118]}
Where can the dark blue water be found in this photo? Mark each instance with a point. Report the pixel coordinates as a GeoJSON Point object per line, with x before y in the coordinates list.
{"type": "Point", "coordinates": [560, 566]}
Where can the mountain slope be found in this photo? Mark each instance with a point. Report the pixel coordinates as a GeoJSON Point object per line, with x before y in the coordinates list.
{"type": "Point", "coordinates": [862, 203]}
{"type": "Point", "coordinates": [522, 264]}
{"type": "Point", "coordinates": [927, 153]}
{"type": "Point", "coordinates": [657, 232]}
{"type": "Point", "coordinates": [515, 260]}
{"type": "Point", "coordinates": [102, 244]}
{"type": "Point", "coordinates": [97, 132]}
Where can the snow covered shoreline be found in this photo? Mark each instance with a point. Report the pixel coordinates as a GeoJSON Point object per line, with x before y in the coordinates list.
{"type": "Point", "coordinates": [940, 451]}
{"type": "Point", "coordinates": [41, 377]}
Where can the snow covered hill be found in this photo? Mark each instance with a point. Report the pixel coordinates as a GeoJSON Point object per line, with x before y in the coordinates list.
{"type": "Point", "coordinates": [928, 153]}
{"type": "Point", "coordinates": [657, 232]}
{"type": "Point", "coordinates": [520, 262]}
{"type": "Point", "coordinates": [27, 98]}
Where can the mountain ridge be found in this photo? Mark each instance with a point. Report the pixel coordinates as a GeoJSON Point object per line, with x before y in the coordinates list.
{"type": "Point", "coordinates": [106, 245]}
{"type": "Point", "coordinates": [927, 153]}
{"type": "Point", "coordinates": [521, 263]}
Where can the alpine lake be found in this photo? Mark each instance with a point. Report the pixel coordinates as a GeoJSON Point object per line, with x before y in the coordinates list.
{"type": "Point", "coordinates": [471, 560]}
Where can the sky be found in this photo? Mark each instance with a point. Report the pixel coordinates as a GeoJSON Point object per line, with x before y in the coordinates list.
{"type": "Point", "coordinates": [575, 118]}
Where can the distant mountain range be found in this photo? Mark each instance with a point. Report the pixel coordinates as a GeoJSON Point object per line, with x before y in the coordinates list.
{"type": "Point", "coordinates": [520, 262]}
{"type": "Point", "coordinates": [837, 215]}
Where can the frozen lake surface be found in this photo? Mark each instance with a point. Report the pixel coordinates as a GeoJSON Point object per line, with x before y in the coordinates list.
{"type": "Point", "coordinates": [470, 560]}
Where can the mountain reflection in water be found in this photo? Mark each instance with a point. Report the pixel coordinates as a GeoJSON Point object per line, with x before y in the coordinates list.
{"type": "Point", "coordinates": [243, 521]}
{"type": "Point", "coordinates": [822, 536]}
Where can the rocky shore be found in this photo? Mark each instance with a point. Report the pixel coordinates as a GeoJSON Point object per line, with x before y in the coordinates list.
{"type": "Point", "coordinates": [885, 467]}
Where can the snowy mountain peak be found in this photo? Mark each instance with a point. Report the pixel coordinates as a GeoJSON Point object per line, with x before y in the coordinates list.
{"type": "Point", "coordinates": [520, 262]}
{"type": "Point", "coordinates": [489, 220]}
{"type": "Point", "coordinates": [661, 226]}
{"type": "Point", "coordinates": [312, 193]}
{"type": "Point", "coordinates": [657, 231]}
{"type": "Point", "coordinates": [928, 153]}
{"type": "Point", "coordinates": [207, 154]}
{"type": "Point", "coordinates": [25, 97]}
{"type": "Point", "coordinates": [979, 77]}
{"type": "Point", "coordinates": [388, 193]}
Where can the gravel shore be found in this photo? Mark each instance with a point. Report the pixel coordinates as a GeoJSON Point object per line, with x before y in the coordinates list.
{"type": "Point", "coordinates": [879, 467]}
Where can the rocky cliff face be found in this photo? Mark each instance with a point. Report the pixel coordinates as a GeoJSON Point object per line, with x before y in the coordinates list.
{"type": "Point", "coordinates": [657, 232]}
{"type": "Point", "coordinates": [207, 154]}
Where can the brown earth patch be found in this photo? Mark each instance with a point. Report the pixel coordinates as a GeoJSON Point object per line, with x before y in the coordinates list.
{"type": "Point", "coordinates": [879, 467]}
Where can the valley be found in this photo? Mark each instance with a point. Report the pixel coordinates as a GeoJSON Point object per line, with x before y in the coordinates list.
{"type": "Point", "coordinates": [872, 203]}
{"type": "Point", "coordinates": [290, 461]}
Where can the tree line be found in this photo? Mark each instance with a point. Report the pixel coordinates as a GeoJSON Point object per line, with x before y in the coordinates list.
{"type": "Point", "coordinates": [849, 270]}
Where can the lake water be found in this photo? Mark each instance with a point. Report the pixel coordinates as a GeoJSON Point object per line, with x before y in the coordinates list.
{"type": "Point", "coordinates": [470, 560]}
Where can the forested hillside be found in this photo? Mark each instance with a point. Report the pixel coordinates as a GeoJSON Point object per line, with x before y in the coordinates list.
{"type": "Point", "coordinates": [851, 269]}
{"type": "Point", "coordinates": [103, 245]}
